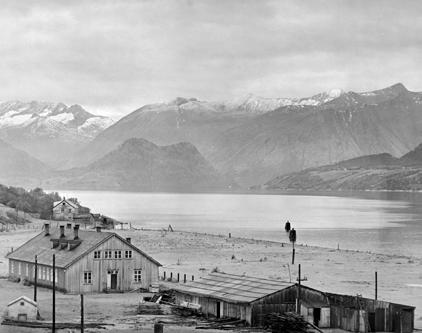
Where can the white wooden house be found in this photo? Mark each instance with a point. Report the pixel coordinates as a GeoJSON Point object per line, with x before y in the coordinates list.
{"type": "Point", "coordinates": [86, 261]}
{"type": "Point", "coordinates": [22, 308]}
{"type": "Point", "coordinates": [65, 210]}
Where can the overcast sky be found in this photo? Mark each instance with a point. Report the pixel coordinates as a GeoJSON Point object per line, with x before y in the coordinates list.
{"type": "Point", "coordinates": [114, 56]}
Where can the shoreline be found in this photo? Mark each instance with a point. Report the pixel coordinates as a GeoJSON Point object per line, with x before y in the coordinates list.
{"type": "Point", "coordinates": [340, 271]}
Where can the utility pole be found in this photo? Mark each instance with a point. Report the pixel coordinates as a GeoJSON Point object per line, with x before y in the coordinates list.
{"type": "Point", "coordinates": [82, 313]}
{"type": "Point", "coordinates": [35, 278]}
{"type": "Point", "coordinates": [54, 294]}
{"type": "Point", "coordinates": [376, 285]}
{"type": "Point", "coordinates": [298, 293]}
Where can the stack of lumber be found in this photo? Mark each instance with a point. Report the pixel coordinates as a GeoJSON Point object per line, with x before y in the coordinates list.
{"type": "Point", "coordinates": [150, 308]}
{"type": "Point", "coordinates": [223, 324]}
{"type": "Point", "coordinates": [287, 322]}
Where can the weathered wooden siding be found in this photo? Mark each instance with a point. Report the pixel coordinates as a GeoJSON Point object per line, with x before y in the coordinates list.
{"type": "Point", "coordinates": [99, 269]}
{"type": "Point", "coordinates": [285, 300]}
{"type": "Point", "coordinates": [209, 307]}
{"type": "Point", "coordinates": [25, 270]}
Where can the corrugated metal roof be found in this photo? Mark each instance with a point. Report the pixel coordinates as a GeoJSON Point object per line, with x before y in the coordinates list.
{"type": "Point", "coordinates": [232, 288]}
{"type": "Point", "coordinates": [41, 246]}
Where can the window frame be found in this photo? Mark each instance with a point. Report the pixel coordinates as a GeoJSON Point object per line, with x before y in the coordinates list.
{"type": "Point", "coordinates": [87, 277]}
{"type": "Point", "coordinates": [137, 275]}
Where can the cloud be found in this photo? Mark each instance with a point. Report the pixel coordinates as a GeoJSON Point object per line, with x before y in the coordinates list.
{"type": "Point", "coordinates": [119, 55]}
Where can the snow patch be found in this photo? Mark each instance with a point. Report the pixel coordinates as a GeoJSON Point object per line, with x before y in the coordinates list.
{"type": "Point", "coordinates": [19, 120]}
{"type": "Point", "coordinates": [63, 118]}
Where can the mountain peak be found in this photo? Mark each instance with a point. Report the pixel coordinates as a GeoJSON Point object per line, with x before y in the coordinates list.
{"type": "Point", "coordinates": [182, 100]}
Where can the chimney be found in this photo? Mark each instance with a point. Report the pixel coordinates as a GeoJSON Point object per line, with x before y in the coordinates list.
{"type": "Point", "coordinates": [62, 231]}
{"type": "Point", "coordinates": [98, 228]}
{"type": "Point", "coordinates": [47, 229]}
{"type": "Point", "coordinates": [69, 226]}
{"type": "Point", "coordinates": [76, 231]}
{"type": "Point", "coordinates": [128, 240]}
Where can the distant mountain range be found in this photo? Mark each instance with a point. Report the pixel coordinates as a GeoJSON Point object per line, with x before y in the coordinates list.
{"type": "Point", "coordinates": [19, 168]}
{"type": "Point", "coordinates": [381, 172]}
{"type": "Point", "coordinates": [247, 140]}
{"type": "Point", "coordinates": [256, 145]}
{"type": "Point", "coordinates": [140, 165]}
{"type": "Point", "coordinates": [50, 132]}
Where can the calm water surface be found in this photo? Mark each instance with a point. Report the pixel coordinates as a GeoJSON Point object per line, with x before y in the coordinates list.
{"type": "Point", "coordinates": [378, 222]}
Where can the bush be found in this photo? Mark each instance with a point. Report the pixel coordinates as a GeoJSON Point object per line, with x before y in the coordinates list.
{"type": "Point", "coordinates": [33, 201]}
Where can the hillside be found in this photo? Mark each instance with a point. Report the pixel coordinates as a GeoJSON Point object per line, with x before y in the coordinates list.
{"type": "Point", "coordinates": [19, 168]}
{"type": "Point", "coordinates": [381, 172]}
{"type": "Point", "coordinates": [140, 165]}
{"type": "Point", "coordinates": [245, 140]}
{"type": "Point", "coordinates": [48, 131]}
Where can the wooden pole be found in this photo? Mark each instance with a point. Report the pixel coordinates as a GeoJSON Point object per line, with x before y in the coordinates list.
{"type": "Point", "coordinates": [54, 294]}
{"type": "Point", "coordinates": [298, 292]}
{"type": "Point", "coordinates": [82, 313]}
{"type": "Point", "coordinates": [35, 278]}
{"type": "Point", "coordinates": [376, 285]}
{"type": "Point", "coordinates": [293, 256]}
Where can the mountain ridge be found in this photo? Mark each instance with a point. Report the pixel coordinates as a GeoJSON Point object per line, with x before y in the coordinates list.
{"type": "Point", "coordinates": [138, 164]}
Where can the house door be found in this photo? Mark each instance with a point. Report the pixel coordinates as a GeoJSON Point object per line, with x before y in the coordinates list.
{"type": "Point", "coordinates": [218, 309]}
{"type": "Point", "coordinates": [112, 279]}
{"type": "Point", "coordinates": [371, 321]}
{"type": "Point", "coordinates": [113, 283]}
{"type": "Point", "coordinates": [317, 316]}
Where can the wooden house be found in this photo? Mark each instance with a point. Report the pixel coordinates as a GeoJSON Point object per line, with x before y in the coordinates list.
{"type": "Point", "coordinates": [251, 299]}
{"type": "Point", "coordinates": [65, 210]}
{"type": "Point", "coordinates": [22, 308]}
{"type": "Point", "coordinates": [86, 261]}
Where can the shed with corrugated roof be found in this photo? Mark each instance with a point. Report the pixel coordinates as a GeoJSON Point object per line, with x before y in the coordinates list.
{"type": "Point", "coordinates": [238, 296]}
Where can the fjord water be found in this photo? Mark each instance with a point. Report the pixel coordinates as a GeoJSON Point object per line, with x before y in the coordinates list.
{"type": "Point", "coordinates": [389, 223]}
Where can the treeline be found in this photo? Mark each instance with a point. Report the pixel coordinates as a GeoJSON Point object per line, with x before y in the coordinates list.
{"type": "Point", "coordinates": [32, 201]}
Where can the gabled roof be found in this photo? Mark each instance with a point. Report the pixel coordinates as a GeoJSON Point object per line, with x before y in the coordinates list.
{"type": "Point", "coordinates": [23, 298]}
{"type": "Point", "coordinates": [70, 203]}
{"type": "Point", "coordinates": [41, 246]}
{"type": "Point", "coordinates": [232, 288]}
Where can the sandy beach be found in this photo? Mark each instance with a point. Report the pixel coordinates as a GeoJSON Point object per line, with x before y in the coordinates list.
{"type": "Point", "coordinates": [332, 270]}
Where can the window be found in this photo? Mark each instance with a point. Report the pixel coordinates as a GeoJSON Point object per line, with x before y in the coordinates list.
{"type": "Point", "coordinates": [56, 276]}
{"type": "Point", "coordinates": [12, 267]}
{"type": "Point", "coordinates": [19, 268]}
{"type": "Point", "coordinates": [87, 277]}
{"type": "Point", "coordinates": [107, 254]}
{"type": "Point", "coordinates": [137, 277]}
{"type": "Point", "coordinates": [26, 270]}
{"type": "Point", "coordinates": [128, 254]}
{"type": "Point", "coordinates": [97, 254]}
{"type": "Point", "coordinates": [118, 254]}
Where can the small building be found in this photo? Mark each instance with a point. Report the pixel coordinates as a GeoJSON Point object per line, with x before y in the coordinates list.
{"type": "Point", "coordinates": [65, 210]}
{"type": "Point", "coordinates": [359, 314]}
{"type": "Point", "coordinates": [242, 297]}
{"type": "Point", "coordinates": [22, 308]}
{"type": "Point", "coordinates": [251, 299]}
{"type": "Point", "coordinates": [87, 261]}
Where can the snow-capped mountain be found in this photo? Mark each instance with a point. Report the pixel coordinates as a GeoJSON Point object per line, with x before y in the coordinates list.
{"type": "Point", "coordinates": [48, 131]}
{"type": "Point", "coordinates": [51, 116]}
{"type": "Point", "coordinates": [257, 104]}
